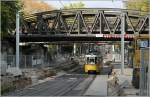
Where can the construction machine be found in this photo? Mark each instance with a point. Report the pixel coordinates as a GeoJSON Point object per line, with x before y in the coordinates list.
{"type": "Point", "coordinates": [140, 41]}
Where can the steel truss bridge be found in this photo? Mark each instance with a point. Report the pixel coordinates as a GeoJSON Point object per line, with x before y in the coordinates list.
{"type": "Point", "coordinates": [83, 25]}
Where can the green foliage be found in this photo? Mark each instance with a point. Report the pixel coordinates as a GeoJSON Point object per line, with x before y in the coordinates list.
{"type": "Point", "coordinates": [74, 5]}
{"type": "Point", "coordinates": [6, 88]}
{"type": "Point", "coordinates": [8, 16]}
{"type": "Point", "coordinates": [142, 5]}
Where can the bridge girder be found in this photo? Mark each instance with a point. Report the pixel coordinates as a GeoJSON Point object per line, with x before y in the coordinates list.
{"type": "Point", "coordinates": [86, 21]}
{"type": "Point", "coordinates": [81, 25]}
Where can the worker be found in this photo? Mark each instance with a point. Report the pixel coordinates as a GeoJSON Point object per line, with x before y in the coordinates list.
{"type": "Point", "coordinates": [115, 78]}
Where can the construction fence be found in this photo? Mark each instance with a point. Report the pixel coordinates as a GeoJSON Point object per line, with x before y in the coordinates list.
{"type": "Point", "coordinates": [144, 72]}
{"type": "Point", "coordinates": [27, 61]}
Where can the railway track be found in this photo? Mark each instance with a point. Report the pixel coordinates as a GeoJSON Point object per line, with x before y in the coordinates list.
{"type": "Point", "coordinates": [68, 84]}
{"type": "Point", "coordinates": [69, 66]}
{"type": "Point", "coordinates": [77, 70]}
{"type": "Point", "coordinates": [81, 88]}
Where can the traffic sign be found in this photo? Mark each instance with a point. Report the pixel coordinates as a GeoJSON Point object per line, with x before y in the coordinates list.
{"type": "Point", "coordinates": [144, 44]}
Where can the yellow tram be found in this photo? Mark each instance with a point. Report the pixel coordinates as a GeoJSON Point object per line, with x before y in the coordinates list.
{"type": "Point", "coordinates": [93, 63]}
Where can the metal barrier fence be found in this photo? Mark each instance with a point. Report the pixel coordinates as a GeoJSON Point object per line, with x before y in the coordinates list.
{"type": "Point", "coordinates": [144, 82]}
{"type": "Point", "coordinates": [27, 61]}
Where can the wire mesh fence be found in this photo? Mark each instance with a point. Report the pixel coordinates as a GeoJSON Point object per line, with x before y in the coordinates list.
{"type": "Point", "coordinates": [27, 61]}
{"type": "Point", "coordinates": [144, 82]}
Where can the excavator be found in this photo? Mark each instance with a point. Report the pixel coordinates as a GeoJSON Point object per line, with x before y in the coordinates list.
{"type": "Point", "coordinates": [140, 41]}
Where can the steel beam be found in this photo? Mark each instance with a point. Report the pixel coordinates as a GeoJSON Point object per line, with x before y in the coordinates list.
{"type": "Point", "coordinates": [104, 17]}
{"type": "Point", "coordinates": [95, 21]}
{"type": "Point", "coordinates": [74, 20]}
{"type": "Point", "coordinates": [83, 21]}
{"type": "Point", "coordinates": [106, 21]}
{"type": "Point", "coordinates": [117, 22]}
{"type": "Point", "coordinates": [133, 29]}
{"type": "Point", "coordinates": [144, 22]}
{"type": "Point", "coordinates": [100, 23]}
{"type": "Point", "coordinates": [79, 23]}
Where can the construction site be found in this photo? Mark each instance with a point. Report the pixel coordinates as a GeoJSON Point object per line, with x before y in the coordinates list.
{"type": "Point", "coordinates": [77, 52]}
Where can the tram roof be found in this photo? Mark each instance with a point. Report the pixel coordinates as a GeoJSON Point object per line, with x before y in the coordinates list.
{"type": "Point", "coordinates": [93, 55]}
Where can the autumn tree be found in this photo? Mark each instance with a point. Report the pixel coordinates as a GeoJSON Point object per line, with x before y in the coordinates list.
{"type": "Point", "coordinates": [142, 5]}
{"type": "Point", "coordinates": [34, 6]}
{"type": "Point", "coordinates": [75, 5]}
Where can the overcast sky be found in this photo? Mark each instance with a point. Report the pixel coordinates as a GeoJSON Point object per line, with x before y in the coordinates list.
{"type": "Point", "coordinates": [88, 3]}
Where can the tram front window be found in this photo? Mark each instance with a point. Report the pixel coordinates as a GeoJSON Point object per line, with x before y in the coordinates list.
{"type": "Point", "coordinates": [91, 60]}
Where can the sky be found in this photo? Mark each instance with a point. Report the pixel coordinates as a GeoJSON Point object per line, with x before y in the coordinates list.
{"type": "Point", "coordinates": [88, 3]}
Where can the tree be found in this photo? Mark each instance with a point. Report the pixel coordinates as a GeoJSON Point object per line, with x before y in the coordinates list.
{"type": "Point", "coordinates": [34, 6]}
{"type": "Point", "coordinates": [74, 5]}
{"type": "Point", "coordinates": [8, 16]}
{"type": "Point", "coordinates": [142, 5]}
{"type": "Point", "coordinates": [9, 9]}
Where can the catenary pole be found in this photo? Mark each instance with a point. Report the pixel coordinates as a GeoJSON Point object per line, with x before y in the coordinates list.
{"type": "Point", "coordinates": [17, 39]}
{"type": "Point", "coordinates": [122, 40]}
